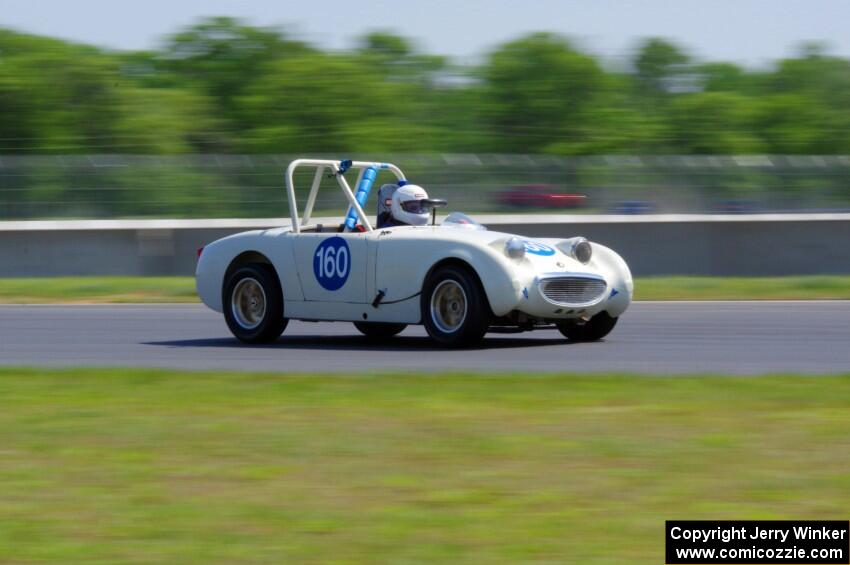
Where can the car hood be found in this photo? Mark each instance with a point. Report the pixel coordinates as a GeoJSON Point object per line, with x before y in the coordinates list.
{"type": "Point", "coordinates": [543, 255]}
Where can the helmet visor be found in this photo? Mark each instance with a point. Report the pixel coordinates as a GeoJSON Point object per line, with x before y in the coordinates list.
{"type": "Point", "coordinates": [416, 206]}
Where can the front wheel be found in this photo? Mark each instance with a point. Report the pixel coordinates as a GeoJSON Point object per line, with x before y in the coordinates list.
{"type": "Point", "coordinates": [253, 304]}
{"type": "Point", "coordinates": [593, 330]}
{"type": "Point", "coordinates": [379, 330]}
{"type": "Point", "coordinates": [454, 307]}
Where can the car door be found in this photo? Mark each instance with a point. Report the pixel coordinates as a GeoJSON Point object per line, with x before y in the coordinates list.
{"type": "Point", "coordinates": [332, 267]}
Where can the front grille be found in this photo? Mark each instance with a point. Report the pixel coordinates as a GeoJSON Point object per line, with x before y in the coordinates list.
{"type": "Point", "coordinates": [573, 290]}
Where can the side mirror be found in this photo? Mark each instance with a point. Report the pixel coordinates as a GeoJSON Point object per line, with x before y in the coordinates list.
{"type": "Point", "coordinates": [434, 203]}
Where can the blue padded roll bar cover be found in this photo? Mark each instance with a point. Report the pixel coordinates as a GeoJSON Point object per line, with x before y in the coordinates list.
{"type": "Point", "coordinates": [361, 196]}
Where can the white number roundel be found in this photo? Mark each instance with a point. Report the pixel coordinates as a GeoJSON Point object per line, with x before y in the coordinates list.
{"type": "Point", "coordinates": [538, 248]}
{"type": "Point", "coordinates": [332, 263]}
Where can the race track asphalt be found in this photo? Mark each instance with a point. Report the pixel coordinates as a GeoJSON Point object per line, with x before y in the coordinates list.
{"type": "Point", "coordinates": [652, 337]}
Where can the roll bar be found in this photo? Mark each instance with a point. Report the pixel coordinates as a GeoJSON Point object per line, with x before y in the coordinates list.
{"type": "Point", "coordinates": [336, 169]}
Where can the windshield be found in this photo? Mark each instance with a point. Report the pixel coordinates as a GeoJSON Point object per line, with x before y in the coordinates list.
{"type": "Point", "coordinates": [461, 220]}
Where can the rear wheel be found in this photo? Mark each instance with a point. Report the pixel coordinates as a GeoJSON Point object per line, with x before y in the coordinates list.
{"type": "Point", "coordinates": [253, 304]}
{"type": "Point", "coordinates": [594, 329]}
{"type": "Point", "coordinates": [454, 307]}
{"type": "Point", "coordinates": [379, 330]}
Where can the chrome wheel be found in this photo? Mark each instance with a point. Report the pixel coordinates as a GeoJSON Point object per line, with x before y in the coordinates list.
{"type": "Point", "coordinates": [248, 303]}
{"type": "Point", "coordinates": [448, 306]}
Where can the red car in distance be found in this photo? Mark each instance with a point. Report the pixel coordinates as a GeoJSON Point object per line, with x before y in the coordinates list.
{"type": "Point", "coordinates": [539, 196]}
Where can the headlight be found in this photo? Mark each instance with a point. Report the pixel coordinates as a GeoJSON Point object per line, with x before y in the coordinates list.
{"type": "Point", "coordinates": [515, 248]}
{"type": "Point", "coordinates": [581, 250]}
{"type": "Point", "coordinates": [578, 248]}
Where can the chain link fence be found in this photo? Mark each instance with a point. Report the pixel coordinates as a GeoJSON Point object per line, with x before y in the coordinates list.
{"type": "Point", "coordinates": [251, 186]}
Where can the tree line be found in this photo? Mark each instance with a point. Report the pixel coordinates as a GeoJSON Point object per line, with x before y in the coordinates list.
{"type": "Point", "coordinates": [226, 87]}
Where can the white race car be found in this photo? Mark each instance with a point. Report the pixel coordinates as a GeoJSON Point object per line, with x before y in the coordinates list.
{"type": "Point", "coordinates": [457, 278]}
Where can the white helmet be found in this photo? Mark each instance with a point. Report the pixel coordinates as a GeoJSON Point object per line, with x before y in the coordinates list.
{"type": "Point", "coordinates": [408, 208]}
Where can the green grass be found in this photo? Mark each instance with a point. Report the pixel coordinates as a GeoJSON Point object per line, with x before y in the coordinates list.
{"type": "Point", "coordinates": [182, 289]}
{"type": "Point", "coordinates": [97, 290]}
{"type": "Point", "coordinates": [743, 288]}
{"type": "Point", "coordinates": [121, 466]}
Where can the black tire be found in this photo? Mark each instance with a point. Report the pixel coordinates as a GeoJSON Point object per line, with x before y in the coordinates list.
{"type": "Point", "coordinates": [469, 323]}
{"type": "Point", "coordinates": [593, 330]}
{"type": "Point", "coordinates": [379, 330]}
{"type": "Point", "coordinates": [270, 322]}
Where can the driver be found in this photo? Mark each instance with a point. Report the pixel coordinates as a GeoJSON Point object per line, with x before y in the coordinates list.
{"type": "Point", "coordinates": [408, 207]}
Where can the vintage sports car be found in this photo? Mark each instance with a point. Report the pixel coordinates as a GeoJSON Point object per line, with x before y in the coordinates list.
{"type": "Point", "coordinates": [457, 278]}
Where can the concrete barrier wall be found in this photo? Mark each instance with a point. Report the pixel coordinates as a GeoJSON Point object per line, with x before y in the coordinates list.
{"type": "Point", "coordinates": [758, 245]}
